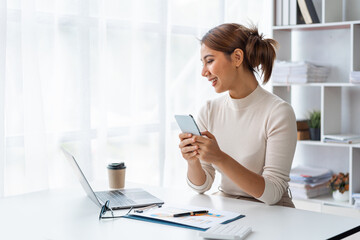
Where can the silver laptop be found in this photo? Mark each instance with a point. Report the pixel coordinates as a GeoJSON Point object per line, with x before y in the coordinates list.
{"type": "Point", "coordinates": [119, 199]}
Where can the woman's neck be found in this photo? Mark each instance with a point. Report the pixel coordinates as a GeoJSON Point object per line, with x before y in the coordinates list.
{"type": "Point", "coordinates": [246, 84]}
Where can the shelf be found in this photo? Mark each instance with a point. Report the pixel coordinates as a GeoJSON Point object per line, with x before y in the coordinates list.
{"type": "Point", "coordinates": [324, 144]}
{"type": "Point", "coordinates": [325, 84]}
{"type": "Point", "coordinates": [337, 98]}
{"type": "Point", "coordinates": [326, 200]}
{"type": "Point", "coordinates": [317, 26]}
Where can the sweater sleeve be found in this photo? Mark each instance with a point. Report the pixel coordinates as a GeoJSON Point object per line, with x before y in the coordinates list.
{"type": "Point", "coordinates": [280, 148]}
{"type": "Point", "coordinates": [202, 121]}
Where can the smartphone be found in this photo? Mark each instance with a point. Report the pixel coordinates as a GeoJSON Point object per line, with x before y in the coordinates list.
{"type": "Point", "coordinates": [187, 124]}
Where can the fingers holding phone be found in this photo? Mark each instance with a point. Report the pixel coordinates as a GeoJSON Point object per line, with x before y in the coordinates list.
{"type": "Point", "coordinates": [189, 129]}
{"type": "Point", "coordinates": [187, 147]}
{"type": "Point", "coordinates": [209, 150]}
{"type": "Point", "coordinates": [184, 136]}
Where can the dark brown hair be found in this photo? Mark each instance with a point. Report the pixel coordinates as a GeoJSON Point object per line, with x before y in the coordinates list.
{"type": "Point", "coordinates": [257, 50]}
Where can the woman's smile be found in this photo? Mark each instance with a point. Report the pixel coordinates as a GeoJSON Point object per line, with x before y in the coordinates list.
{"type": "Point", "coordinates": [213, 81]}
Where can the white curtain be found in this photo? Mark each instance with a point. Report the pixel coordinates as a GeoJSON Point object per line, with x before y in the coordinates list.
{"type": "Point", "coordinates": [103, 78]}
{"type": "Point", "coordinates": [3, 22]}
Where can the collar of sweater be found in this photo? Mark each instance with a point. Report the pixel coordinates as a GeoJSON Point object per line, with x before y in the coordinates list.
{"type": "Point", "coordinates": [250, 100]}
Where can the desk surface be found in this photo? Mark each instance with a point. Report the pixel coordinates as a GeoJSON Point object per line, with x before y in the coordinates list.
{"type": "Point", "coordinates": [70, 214]}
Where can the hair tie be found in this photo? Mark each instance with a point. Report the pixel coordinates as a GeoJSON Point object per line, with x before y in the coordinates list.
{"type": "Point", "coordinates": [256, 35]}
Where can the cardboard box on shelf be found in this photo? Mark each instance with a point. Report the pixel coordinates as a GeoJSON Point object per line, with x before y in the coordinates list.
{"type": "Point", "coordinates": [303, 135]}
{"type": "Point", "coordinates": [302, 125]}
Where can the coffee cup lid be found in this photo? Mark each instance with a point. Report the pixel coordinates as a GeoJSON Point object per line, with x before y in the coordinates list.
{"type": "Point", "coordinates": [120, 165]}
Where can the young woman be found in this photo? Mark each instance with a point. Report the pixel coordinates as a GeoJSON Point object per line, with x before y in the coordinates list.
{"type": "Point", "coordinates": [248, 134]}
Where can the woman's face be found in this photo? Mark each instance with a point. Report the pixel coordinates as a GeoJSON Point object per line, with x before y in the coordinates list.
{"type": "Point", "coordinates": [218, 68]}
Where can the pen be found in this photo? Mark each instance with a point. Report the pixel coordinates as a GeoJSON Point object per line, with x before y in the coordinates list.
{"type": "Point", "coordinates": [190, 213]}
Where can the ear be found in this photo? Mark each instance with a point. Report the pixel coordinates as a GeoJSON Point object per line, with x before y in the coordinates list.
{"type": "Point", "coordinates": [238, 57]}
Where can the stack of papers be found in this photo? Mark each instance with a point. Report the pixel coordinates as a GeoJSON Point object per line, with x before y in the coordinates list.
{"type": "Point", "coordinates": [342, 138]}
{"type": "Point", "coordinates": [356, 197]}
{"type": "Point", "coordinates": [307, 182]}
{"type": "Point", "coordinates": [304, 174]}
{"type": "Point", "coordinates": [298, 72]}
{"type": "Point", "coordinates": [355, 77]}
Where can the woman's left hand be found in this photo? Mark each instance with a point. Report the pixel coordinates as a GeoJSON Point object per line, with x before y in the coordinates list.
{"type": "Point", "coordinates": [209, 150]}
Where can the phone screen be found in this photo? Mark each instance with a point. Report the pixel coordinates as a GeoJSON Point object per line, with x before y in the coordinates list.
{"type": "Point", "coordinates": [187, 124]}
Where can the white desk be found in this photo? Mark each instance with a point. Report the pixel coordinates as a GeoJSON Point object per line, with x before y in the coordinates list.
{"type": "Point", "coordinates": [70, 214]}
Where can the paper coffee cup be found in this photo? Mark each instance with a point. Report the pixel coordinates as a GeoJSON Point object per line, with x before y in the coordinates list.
{"type": "Point", "coordinates": [116, 172]}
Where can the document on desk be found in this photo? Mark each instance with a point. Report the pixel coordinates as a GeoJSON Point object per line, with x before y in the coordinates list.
{"type": "Point", "coordinates": [165, 215]}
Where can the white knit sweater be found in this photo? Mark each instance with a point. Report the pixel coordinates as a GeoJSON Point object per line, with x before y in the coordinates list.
{"type": "Point", "coordinates": [258, 131]}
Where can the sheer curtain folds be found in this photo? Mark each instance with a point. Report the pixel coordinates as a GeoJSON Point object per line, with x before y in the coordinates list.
{"type": "Point", "coordinates": [103, 79]}
{"type": "Point", "coordinates": [2, 92]}
{"type": "Point", "coordinates": [35, 138]}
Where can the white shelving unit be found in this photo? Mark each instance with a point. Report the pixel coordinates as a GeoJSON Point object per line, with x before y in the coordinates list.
{"type": "Point", "coordinates": [334, 42]}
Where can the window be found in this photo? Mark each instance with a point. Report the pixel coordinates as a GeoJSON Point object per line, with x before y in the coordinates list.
{"type": "Point", "coordinates": [103, 79]}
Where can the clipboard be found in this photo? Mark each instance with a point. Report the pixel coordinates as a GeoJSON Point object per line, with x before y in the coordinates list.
{"type": "Point", "coordinates": [201, 223]}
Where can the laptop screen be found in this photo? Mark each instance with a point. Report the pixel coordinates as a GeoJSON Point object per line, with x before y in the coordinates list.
{"type": "Point", "coordinates": [85, 184]}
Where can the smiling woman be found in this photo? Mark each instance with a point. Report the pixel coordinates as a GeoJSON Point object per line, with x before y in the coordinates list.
{"type": "Point", "coordinates": [240, 45]}
{"type": "Point", "coordinates": [249, 134]}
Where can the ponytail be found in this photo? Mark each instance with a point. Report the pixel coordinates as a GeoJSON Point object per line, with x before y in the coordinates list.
{"type": "Point", "coordinates": [260, 51]}
{"type": "Point", "coordinates": [257, 50]}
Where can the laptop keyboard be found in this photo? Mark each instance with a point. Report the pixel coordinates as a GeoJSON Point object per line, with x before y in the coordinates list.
{"type": "Point", "coordinates": [117, 199]}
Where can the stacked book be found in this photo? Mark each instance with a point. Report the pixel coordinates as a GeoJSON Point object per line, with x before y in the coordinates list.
{"type": "Point", "coordinates": [308, 182]}
{"type": "Point", "coordinates": [355, 76]}
{"type": "Point", "coordinates": [298, 72]}
{"type": "Point", "coordinates": [342, 138]}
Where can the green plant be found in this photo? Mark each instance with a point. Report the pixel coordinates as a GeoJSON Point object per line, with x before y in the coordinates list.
{"type": "Point", "coordinates": [314, 121]}
{"type": "Point", "coordinates": [339, 182]}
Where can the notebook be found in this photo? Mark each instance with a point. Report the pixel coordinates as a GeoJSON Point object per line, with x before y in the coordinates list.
{"type": "Point", "coordinates": [119, 199]}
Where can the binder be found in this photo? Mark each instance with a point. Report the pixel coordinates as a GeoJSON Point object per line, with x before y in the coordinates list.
{"type": "Point", "coordinates": [293, 12]}
{"type": "Point", "coordinates": [202, 223]}
{"type": "Point", "coordinates": [169, 223]}
{"type": "Point", "coordinates": [308, 11]}
{"type": "Point", "coordinates": [279, 13]}
{"type": "Point", "coordinates": [285, 8]}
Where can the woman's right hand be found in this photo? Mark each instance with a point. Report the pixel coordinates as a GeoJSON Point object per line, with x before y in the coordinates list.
{"type": "Point", "coordinates": [188, 150]}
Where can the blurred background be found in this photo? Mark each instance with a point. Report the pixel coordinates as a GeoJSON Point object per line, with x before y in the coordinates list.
{"type": "Point", "coordinates": [103, 78]}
